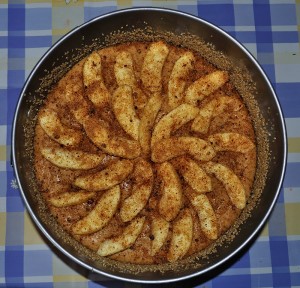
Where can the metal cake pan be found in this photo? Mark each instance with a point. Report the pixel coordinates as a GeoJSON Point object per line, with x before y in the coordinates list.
{"type": "Point", "coordinates": [73, 47]}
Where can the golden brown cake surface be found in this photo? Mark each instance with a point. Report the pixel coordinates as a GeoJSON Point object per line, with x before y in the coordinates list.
{"type": "Point", "coordinates": [145, 152]}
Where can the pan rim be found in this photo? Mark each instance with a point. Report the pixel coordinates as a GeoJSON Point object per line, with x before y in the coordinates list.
{"type": "Point", "coordinates": [40, 225]}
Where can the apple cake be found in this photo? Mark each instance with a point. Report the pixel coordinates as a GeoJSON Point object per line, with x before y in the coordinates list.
{"type": "Point", "coordinates": [145, 152]}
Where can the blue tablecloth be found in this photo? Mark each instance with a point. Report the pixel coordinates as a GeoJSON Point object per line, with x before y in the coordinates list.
{"type": "Point", "coordinates": [270, 31]}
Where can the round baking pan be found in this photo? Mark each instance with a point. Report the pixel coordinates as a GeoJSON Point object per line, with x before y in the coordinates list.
{"type": "Point", "coordinates": [155, 23]}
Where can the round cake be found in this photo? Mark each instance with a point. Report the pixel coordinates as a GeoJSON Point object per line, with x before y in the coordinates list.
{"type": "Point", "coordinates": [145, 152]}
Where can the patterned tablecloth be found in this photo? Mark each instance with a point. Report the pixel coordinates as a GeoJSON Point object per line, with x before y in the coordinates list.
{"type": "Point", "coordinates": [269, 29]}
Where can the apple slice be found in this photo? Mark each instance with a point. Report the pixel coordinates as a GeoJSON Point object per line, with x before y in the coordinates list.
{"type": "Point", "coordinates": [212, 109]}
{"type": "Point", "coordinates": [60, 133]}
{"type": "Point", "coordinates": [171, 199]}
{"type": "Point", "coordinates": [141, 190]}
{"type": "Point", "coordinates": [100, 134]}
{"type": "Point", "coordinates": [169, 148]}
{"type": "Point", "coordinates": [152, 66]}
{"type": "Point", "coordinates": [71, 159]}
{"type": "Point", "coordinates": [123, 241]}
{"type": "Point", "coordinates": [177, 81]}
{"type": "Point", "coordinates": [193, 174]}
{"type": "Point", "coordinates": [93, 81]}
{"type": "Point", "coordinates": [182, 236]}
{"type": "Point", "coordinates": [102, 213]}
{"type": "Point", "coordinates": [124, 70]}
{"type": "Point", "coordinates": [205, 86]}
{"type": "Point", "coordinates": [173, 121]}
{"type": "Point", "coordinates": [231, 142]}
{"type": "Point", "coordinates": [123, 107]}
{"type": "Point", "coordinates": [106, 178]}
{"type": "Point", "coordinates": [206, 214]}
{"type": "Point", "coordinates": [66, 199]}
{"type": "Point", "coordinates": [232, 183]}
{"type": "Point", "coordinates": [147, 121]}
{"type": "Point", "coordinates": [159, 230]}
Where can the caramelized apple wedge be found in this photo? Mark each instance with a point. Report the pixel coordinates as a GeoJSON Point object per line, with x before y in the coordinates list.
{"type": "Point", "coordinates": [206, 214]}
{"type": "Point", "coordinates": [212, 109]}
{"type": "Point", "coordinates": [71, 159]}
{"type": "Point", "coordinates": [232, 183]}
{"type": "Point", "coordinates": [99, 133]}
{"type": "Point", "coordinates": [93, 81]}
{"type": "Point", "coordinates": [182, 236]}
{"type": "Point", "coordinates": [171, 199]}
{"type": "Point", "coordinates": [66, 199]}
{"type": "Point", "coordinates": [60, 133]}
{"type": "Point", "coordinates": [169, 148]}
{"type": "Point", "coordinates": [173, 121]}
{"type": "Point", "coordinates": [77, 103]}
{"type": "Point", "coordinates": [193, 174]}
{"type": "Point", "coordinates": [147, 122]}
{"type": "Point", "coordinates": [106, 178]}
{"type": "Point", "coordinates": [205, 86]}
{"type": "Point", "coordinates": [123, 107]}
{"type": "Point", "coordinates": [177, 81]}
{"type": "Point", "coordinates": [124, 70]}
{"type": "Point", "coordinates": [125, 75]}
{"type": "Point", "coordinates": [143, 181]}
{"type": "Point", "coordinates": [123, 241]}
{"type": "Point", "coordinates": [159, 231]}
{"type": "Point", "coordinates": [231, 142]}
{"type": "Point", "coordinates": [101, 214]}
{"type": "Point", "coordinates": [152, 66]}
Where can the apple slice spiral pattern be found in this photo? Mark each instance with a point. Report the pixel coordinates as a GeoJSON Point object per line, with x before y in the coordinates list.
{"type": "Point", "coordinates": [165, 152]}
